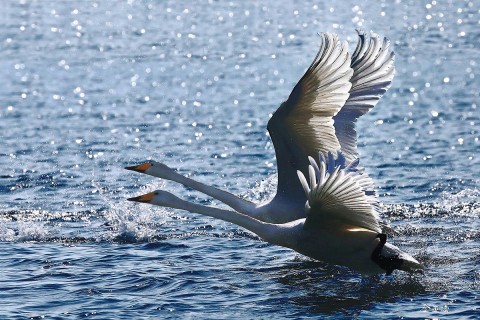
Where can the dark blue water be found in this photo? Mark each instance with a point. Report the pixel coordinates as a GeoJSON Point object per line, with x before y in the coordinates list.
{"type": "Point", "coordinates": [90, 87]}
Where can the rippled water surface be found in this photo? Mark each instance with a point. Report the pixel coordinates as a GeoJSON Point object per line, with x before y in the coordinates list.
{"type": "Point", "coordinates": [90, 87]}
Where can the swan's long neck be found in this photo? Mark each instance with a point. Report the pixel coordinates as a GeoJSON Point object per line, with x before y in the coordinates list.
{"type": "Point", "coordinates": [231, 200]}
{"type": "Point", "coordinates": [267, 231]}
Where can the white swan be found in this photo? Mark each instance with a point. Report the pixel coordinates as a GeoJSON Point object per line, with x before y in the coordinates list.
{"type": "Point", "coordinates": [332, 218]}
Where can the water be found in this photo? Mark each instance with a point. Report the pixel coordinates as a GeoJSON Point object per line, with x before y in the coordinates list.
{"type": "Point", "coordinates": [90, 87]}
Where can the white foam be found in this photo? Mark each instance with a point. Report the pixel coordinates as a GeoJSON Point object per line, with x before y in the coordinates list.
{"type": "Point", "coordinates": [24, 231]}
{"type": "Point", "coordinates": [132, 222]}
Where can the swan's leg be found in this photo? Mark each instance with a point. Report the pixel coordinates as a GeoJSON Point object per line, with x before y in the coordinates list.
{"type": "Point", "coordinates": [160, 170]}
{"type": "Point", "coordinates": [386, 263]}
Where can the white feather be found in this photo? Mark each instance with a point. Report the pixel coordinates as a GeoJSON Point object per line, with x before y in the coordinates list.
{"type": "Point", "coordinates": [339, 195]}
{"type": "Point", "coordinates": [373, 71]}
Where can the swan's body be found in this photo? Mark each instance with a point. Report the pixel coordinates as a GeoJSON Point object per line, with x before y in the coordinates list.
{"type": "Point", "coordinates": [332, 217]}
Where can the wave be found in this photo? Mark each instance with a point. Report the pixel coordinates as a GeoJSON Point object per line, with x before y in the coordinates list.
{"type": "Point", "coordinates": [124, 222]}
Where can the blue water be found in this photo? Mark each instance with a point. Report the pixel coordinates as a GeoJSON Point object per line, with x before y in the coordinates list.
{"type": "Point", "coordinates": [90, 87]}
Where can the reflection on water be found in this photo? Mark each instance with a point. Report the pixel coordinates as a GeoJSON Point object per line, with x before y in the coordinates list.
{"type": "Point", "coordinates": [330, 290]}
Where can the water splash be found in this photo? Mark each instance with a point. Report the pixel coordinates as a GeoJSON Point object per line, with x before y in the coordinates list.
{"type": "Point", "coordinates": [463, 202]}
{"type": "Point", "coordinates": [263, 190]}
{"type": "Point", "coordinates": [118, 221]}
{"type": "Point", "coordinates": [27, 225]}
{"type": "Point", "coordinates": [129, 222]}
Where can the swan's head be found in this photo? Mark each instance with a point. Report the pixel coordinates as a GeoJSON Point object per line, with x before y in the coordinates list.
{"type": "Point", "coordinates": [143, 167]}
{"type": "Point", "coordinates": [145, 198]}
{"type": "Point", "coordinates": [159, 198]}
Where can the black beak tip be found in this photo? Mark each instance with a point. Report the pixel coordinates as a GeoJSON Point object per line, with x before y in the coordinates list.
{"type": "Point", "coordinates": [132, 168]}
{"type": "Point", "coordinates": [137, 199]}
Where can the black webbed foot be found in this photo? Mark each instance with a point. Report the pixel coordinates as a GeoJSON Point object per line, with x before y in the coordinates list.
{"type": "Point", "coordinates": [383, 239]}
{"type": "Point", "coordinates": [386, 263]}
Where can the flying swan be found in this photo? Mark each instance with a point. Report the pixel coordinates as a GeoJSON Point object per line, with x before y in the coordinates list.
{"type": "Point", "coordinates": [325, 207]}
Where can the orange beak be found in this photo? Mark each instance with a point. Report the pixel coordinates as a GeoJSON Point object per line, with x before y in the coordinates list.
{"type": "Point", "coordinates": [146, 198]}
{"type": "Point", "coordinates": [140, 168]}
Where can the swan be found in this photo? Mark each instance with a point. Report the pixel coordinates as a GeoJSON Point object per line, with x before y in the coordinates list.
{"type": "Point", "coordinates": [341, 225]}
{"type": "Point", "coordinates": [333, 215]}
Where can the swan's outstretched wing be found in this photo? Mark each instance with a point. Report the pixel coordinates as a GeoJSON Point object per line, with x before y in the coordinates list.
{"type": "Point", "coordinates": [303, 125]}
{"type": "Point", "coordinates": [373, 71]}
{"type": "Point", "coordinates": [339, 193]}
